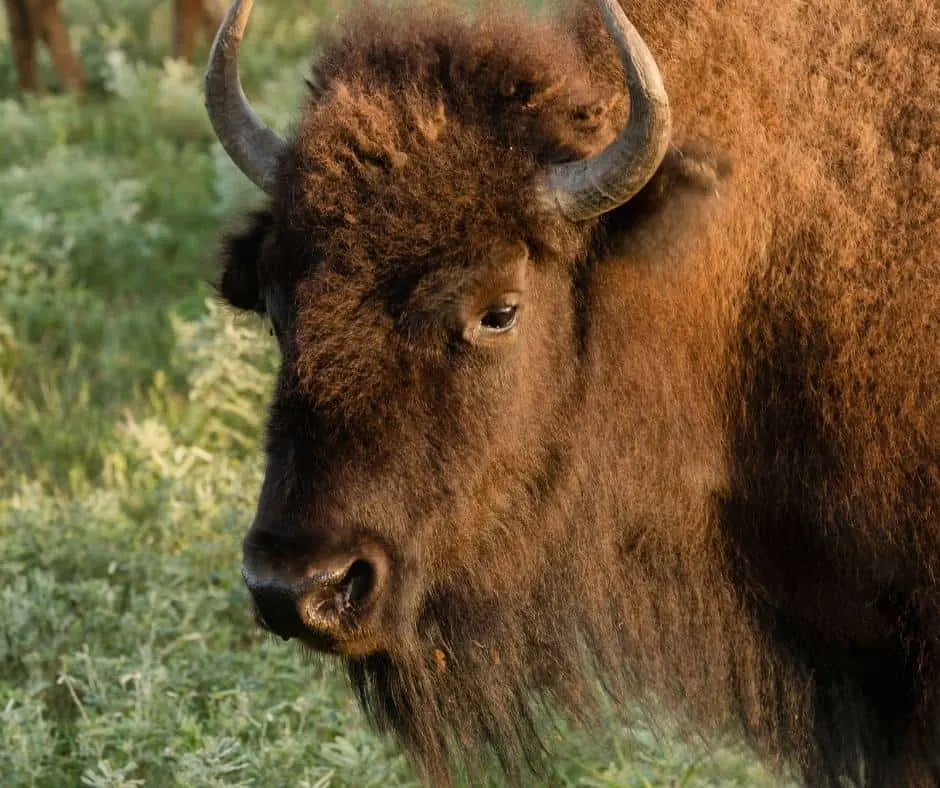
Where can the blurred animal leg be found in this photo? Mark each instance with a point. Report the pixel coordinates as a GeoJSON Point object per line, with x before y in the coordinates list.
{"type": "Point", "coordinates": [23, 40]}
{"type": "Point", "coordinates": [51, 27]}
{"type": "Point", "coordinates": [213, 11]}
{"type": "Point", "coordinates": [186, 19]}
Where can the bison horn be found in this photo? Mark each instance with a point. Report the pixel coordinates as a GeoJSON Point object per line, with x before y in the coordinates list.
{"type": "Point", "coordinates": [589, 187]}
{"type": "Point", "coordinates": [253, 147]}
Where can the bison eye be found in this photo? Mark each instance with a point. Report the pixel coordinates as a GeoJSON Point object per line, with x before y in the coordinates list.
{"type": "Point", "coordinates": [499, 318]}
{"type": "Point", "coordinates": [494, 324]}
{"type": "Point", "coordinates": [275, 307]}
{"type": "Point", "coordinates": [274, 328]}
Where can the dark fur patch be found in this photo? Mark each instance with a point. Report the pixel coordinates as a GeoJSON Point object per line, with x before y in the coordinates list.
{"type": "Point", "coordinates": [240, 259]}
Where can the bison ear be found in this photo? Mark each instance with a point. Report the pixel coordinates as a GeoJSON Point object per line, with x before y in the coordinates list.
{"type": "Point", "coordinates": [240, 259]}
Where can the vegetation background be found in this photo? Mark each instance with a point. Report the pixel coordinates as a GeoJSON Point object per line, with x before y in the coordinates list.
{"type": "Point", "coordinates": [131, 411]}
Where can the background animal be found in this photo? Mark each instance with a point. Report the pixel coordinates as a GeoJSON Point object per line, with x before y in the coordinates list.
{"type": "Point", "coordinates": [32, 21]}
{"type": "Point", "coordinates": [563, 393]}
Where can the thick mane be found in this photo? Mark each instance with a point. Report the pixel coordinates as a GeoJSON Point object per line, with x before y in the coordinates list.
{"type": "Point", "coordinates": [736, 509]}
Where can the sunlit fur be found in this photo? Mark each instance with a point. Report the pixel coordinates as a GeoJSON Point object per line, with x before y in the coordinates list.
{"type": "Point", "coordinates": [707, 468]}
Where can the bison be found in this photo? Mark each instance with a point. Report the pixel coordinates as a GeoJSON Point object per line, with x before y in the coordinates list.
{"type": "Point", "coordinates": [32, 20]}
{"type": "Point", "coordinates": [29, 21]}
{"type": "Point", "coordinates": [607, 371]}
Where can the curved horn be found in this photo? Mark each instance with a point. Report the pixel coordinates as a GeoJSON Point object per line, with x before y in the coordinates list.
{"type": "Point", "coordinates": [589, 187]}
{"type": "Point", "coordinates": [249, 143]}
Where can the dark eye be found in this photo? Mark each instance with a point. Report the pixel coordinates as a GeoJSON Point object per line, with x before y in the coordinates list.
{"type": "Point", "coordinates": [499, 318]}
{"type": "Point", "coordinates": [273, 328]}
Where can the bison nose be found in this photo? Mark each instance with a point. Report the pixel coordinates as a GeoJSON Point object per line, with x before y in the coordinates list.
{"type": "Point", "coordinates": [275, 606]}
{"type": "Point", "coordinates": [329, 601]}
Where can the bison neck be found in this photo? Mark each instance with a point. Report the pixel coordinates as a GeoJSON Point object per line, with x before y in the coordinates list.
{"type": "Point", "coordinates": [726, 497]}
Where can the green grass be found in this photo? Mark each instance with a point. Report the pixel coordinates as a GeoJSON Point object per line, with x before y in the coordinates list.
{"type": "Point", "coordinates": [131, 407]}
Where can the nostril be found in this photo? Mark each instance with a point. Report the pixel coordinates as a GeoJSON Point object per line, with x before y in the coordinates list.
{"type": "Point", "coordinates": [357, 585]}
{"type": "Point", "coordinates": [341, 590]}
{"type": "Point", "coordinates": [340, 598]}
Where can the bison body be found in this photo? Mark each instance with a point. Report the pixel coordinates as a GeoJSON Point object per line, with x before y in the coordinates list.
{"type": "Point", "coordinates": [687, 441]}
{"type": "Point", "coordinates": [32, 21]}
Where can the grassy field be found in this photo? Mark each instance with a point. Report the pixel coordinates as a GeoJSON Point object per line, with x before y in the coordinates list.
{"type": "Point", "coordinates": [131, 407]}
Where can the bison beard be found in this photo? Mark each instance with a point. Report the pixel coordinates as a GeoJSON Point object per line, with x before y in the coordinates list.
{"type": "Point", "coordinates": [706, 475]}
{"type": "Point", "coordinates": [483, 675]}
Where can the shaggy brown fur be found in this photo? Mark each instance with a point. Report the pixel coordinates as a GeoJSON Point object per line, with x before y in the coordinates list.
{"type": "Point", "coordinates": [707, 466]}
{"type": "Point", "coordinates": [31, 20]}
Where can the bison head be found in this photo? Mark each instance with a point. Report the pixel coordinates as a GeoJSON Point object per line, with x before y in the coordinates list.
{"type": "Point", "coordinates": [420, 261]}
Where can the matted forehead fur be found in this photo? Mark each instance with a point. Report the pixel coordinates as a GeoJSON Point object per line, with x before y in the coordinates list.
{"type": "Point", "coordinates": [418, 159]}
{"type": "Point", "coordinates": [426, 131]}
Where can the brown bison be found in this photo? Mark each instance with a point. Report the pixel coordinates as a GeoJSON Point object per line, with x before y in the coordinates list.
{"type": "Point", "coordinates": [582, 383]}
{"type": "Point", "coordinates": [32, 20]}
